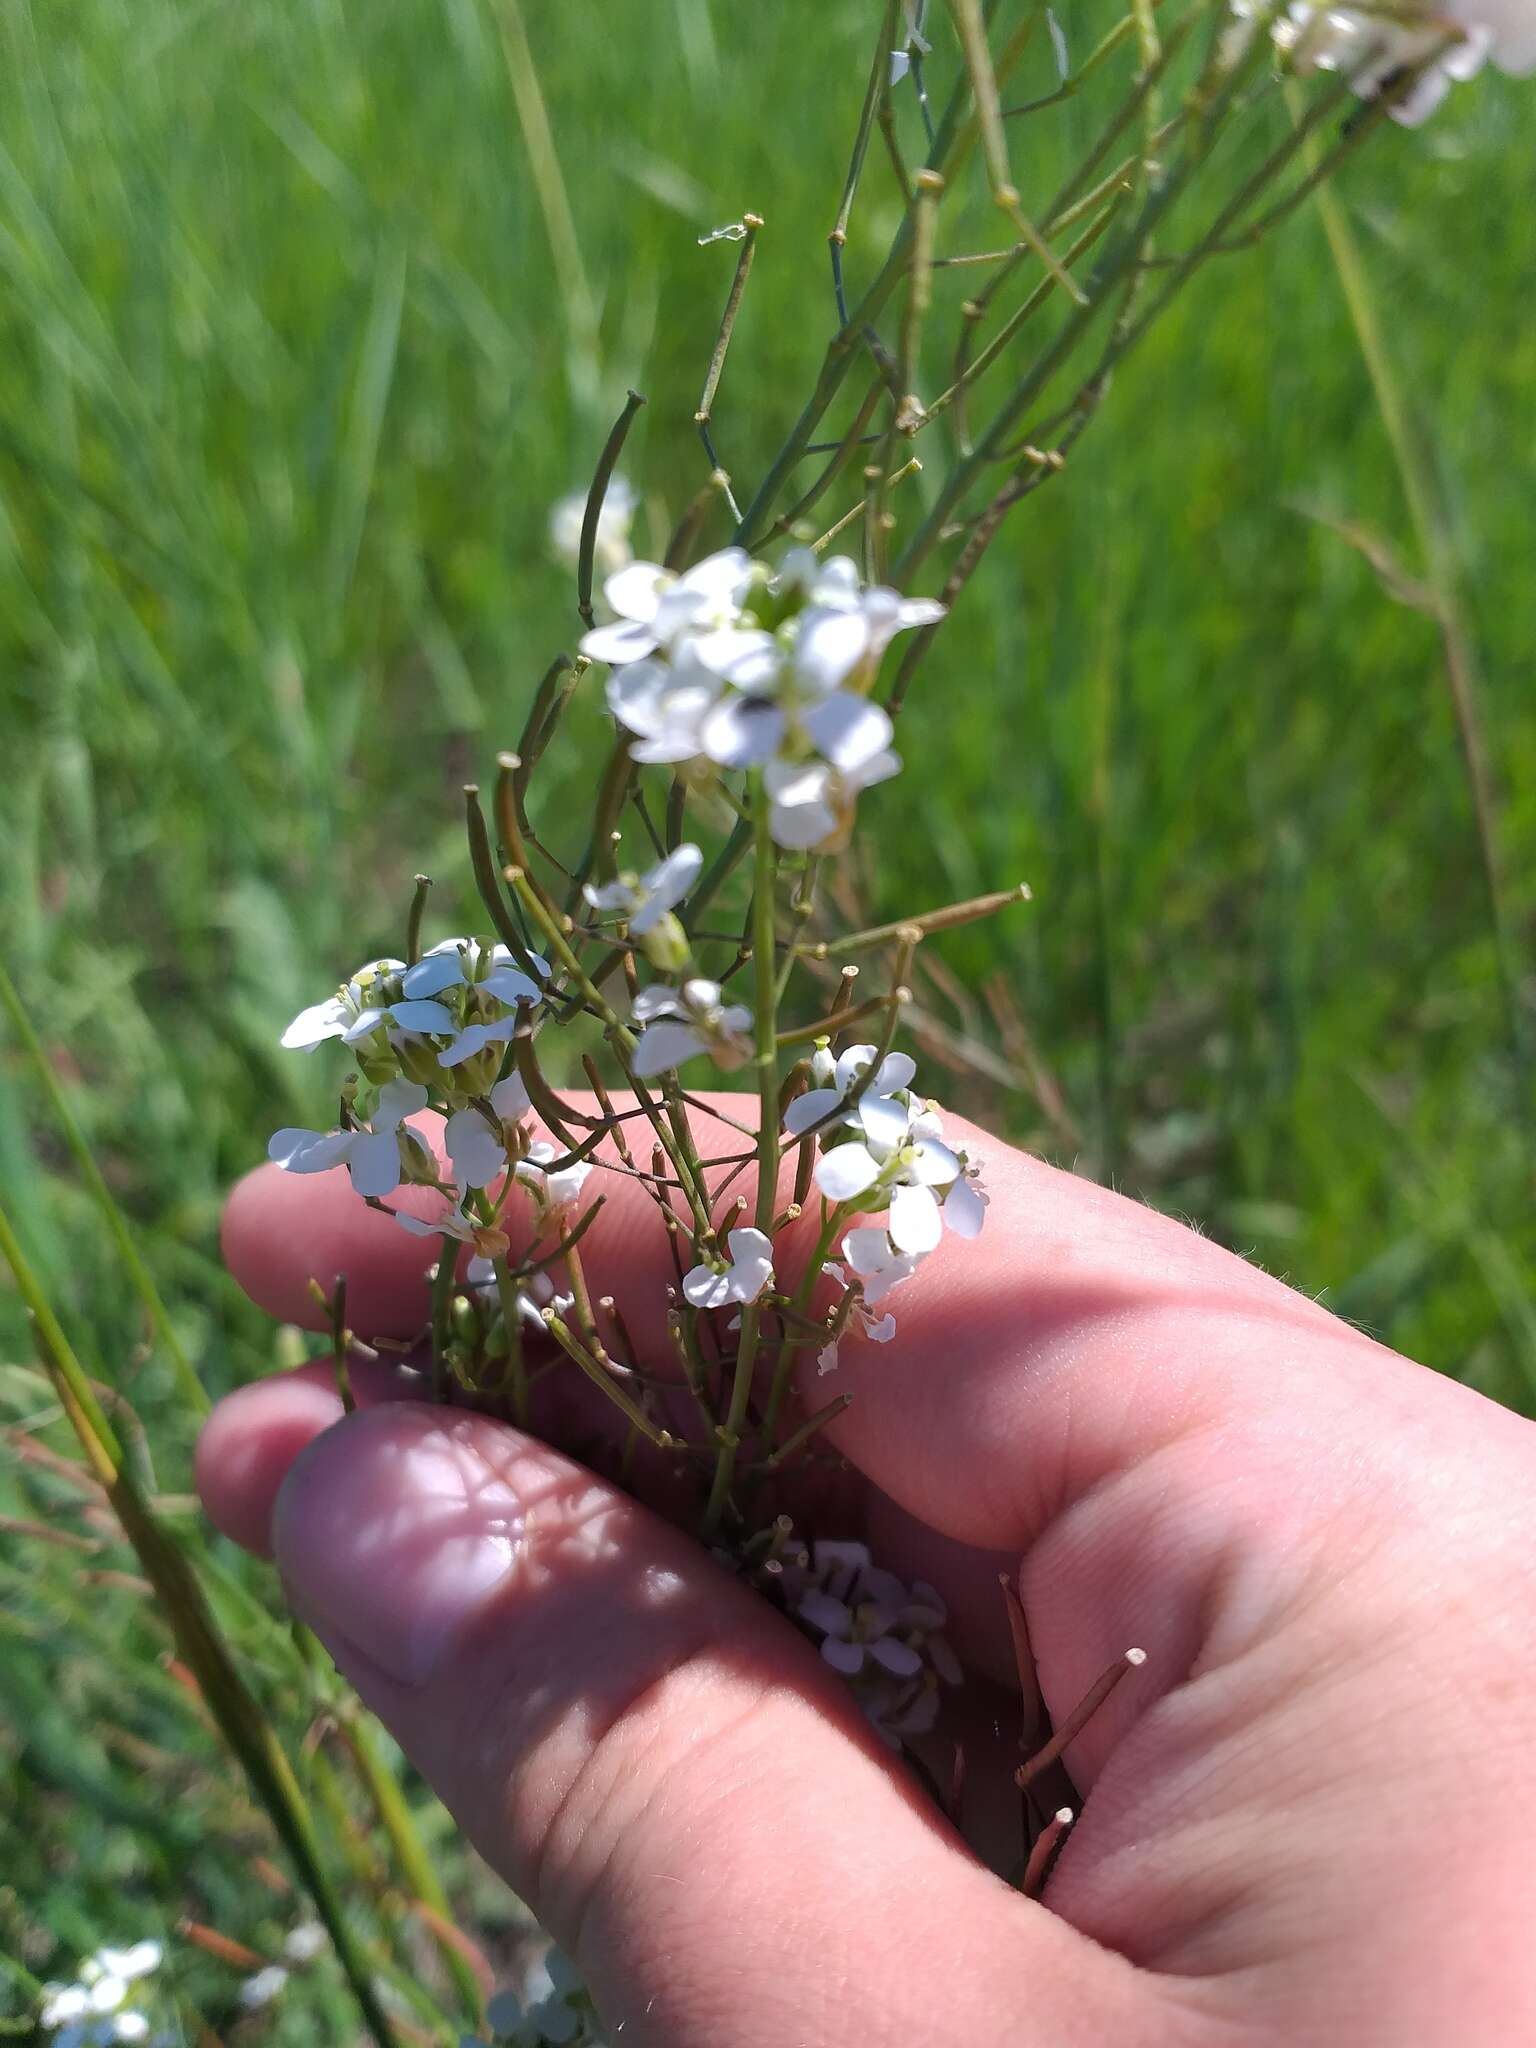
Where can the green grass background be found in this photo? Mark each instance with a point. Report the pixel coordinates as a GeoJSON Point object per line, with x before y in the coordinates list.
{"type": "Point", "coordinates": [290, 377]}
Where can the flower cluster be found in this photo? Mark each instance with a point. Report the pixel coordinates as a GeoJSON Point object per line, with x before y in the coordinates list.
{"type": "Point", "coordinates": [551, 2005]}
{"type": "Point", "coordinates": [95, 2008]}
{"type": "Point", "coordinates": [883, 1152]}
{"type": "Point", "coordinates": [884, 1636]}
{"type": "Point", "coordinates": [437, 1030]}
{"type": "Point", "coordinates": [729, 665]}
{"type": "Point", "coordinates": [1377, 47]}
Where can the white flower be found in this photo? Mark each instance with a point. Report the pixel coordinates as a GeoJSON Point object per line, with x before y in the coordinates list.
{"type": "Point", "coordinates": [533, 1296]}
{"type": "Point", "coordinates": [374, 1157]}
{"type": "Point", "coordinates": [476, 1146]}
{"type": "Point", "coordinates": [811, 802]}
{"type": "Point", "coordinates": [654, 606]}
{"type": "Point", "coordinates": [141, 1959]}
{"type": "Point", "coordinates": [262, 1988]}
{"type": "Point", "coordinates": [665, 704]}
{"type": "Point", "coordinates": [883, 1112]}
{"type": "Point", "coordinates": [453, 963]}
{"type": "Point", "coordinates": [749, 1272]}
{"type": "Point", "coordinates": [544, 2010]}
{"type": "Point", "coordinates": [681, 1023]}
{"type": "Point", "coordinates": [611, 549]}
{"type": "Point", "coordinates": [918, 1176]}
{"type": "Point", "coordinates": [642, 901]}
{"type": "Point", "coordinates": [63, 2003]}
{"type": "Point", "coordinates": [878, 1329]}
{"type": "Point", "coordinates": [457, 1222]}
{"type": "Point", "coordinates": [551, 1190]}
{"type": "Point", "coordinates": [303, 1943]}
{"type": "Point", "coordinates": [361, 1006]}
{"type": "Point", "coordinates": [1373, 50]}
{"type": "Point", "coordinates": [878, 1263]}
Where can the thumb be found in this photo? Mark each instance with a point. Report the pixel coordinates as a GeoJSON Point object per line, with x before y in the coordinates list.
{"type": "Point", "coordinates": [655, 1761]}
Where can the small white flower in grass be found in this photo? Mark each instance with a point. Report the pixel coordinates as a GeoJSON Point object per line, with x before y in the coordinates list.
{"type": "Point", "coordinates": [679, 1024]}
{"type": "Point", "coordinates": [611, 549]}
{"type": "Point", "coordinates": [878, 1329]}
{"type": "Point", "coordinates": [262, 1988]}
{"type": "Point", "coordinates": [303, 1943]}
{"type": "Point", "coordinates": [63, 2004]}
{"type": "Point", "coordinates": [750, 1270]}
{"type": "Point", "coordinates": [643, 900]}
{"type": "Point", "coordinates": [140, 1959]}
{"type": "Point", "coordinates": [375, 1157]}
{"type": "Point", "coordinates": [883, 1111]}
{"type": "Point", "coordinates": [551, 1190]}
{"type": "Point", "coordinates": [476, 1143]}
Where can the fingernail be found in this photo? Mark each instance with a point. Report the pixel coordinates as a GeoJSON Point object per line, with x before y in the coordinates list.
{"type": "Point", "coordinates": [392, 1532]}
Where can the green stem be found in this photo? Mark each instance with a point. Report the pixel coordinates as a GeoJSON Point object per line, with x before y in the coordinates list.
{"type": "Point", "coordinates": [765, 1005]}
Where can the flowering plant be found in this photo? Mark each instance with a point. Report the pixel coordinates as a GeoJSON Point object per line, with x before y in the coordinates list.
{"type": "Point", "coordinates": [753, 691]}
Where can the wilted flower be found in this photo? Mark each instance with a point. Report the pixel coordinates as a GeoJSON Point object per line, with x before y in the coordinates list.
{"type": "Point", "coordinates": [681, 1023]}
{"type": "Point", "coordinates": [880, 1633]}
{"type": "Point", "coordinates": [611, 549]}
{"type": "Point", "coordinates": [878, 1329]}
{"type": "Point", "coordinates": [750, 1270]}
{"type": "Point", "coordinates": [375, 1157]}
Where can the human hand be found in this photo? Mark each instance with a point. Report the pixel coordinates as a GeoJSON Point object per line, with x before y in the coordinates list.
{"type": "Point", "coordinates": [1309, 1819]}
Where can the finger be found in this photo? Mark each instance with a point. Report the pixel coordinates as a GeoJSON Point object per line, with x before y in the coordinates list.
{"type": "Point", "coordinates": [656, 1761]}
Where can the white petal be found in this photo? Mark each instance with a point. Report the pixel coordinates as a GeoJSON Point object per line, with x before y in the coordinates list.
{"type": "Point", "coordinates": [438, 970]}
{"type": "Point", "coordinates": [722, 577]}
{"type": "Point", "coordinates": [897, 1657]}
{"type": "Point", "coordinates": [656, 1001]}
{"type": "Point", "coordinates": [511, 985]}
{"type": "Point", "coordinates": [477, 1153]}
{"type": "Point", "coordinates": [611, 896]}
{"type": "Point", "coordinates": [635, 590]}
{"type": "Point", "coordinates": [669, 882]}
{"type": "Point", "coordinates": [965, 1208]}
{"type": "Point", "coordinates": [878, 768]}
{"type": "Point", "coordinates": [885, 1121]}
{"type": "Point", "coordinates": [845, 1657]}
{"type": "Point", "coordinates": [914, 1223]}
{"type": "Point", "coordinates": [810, 1108]}
{"type": "Point", "coordinates": [846, 1171]}
{"type": "Point", "coordinates": [362, 1024]}
{"type": "Point", "coordinates": [935, 1166]}
{"type": "Point", "coordinates": [751, 1264]}
{"type": "Point", "coordinates": [799, 827]}
{"type": "Point", "coordinates": [829, 645]}
{"type": "Point", "coordinates": [706, 1288]}
{"type": "Point", "coordinates": [848, 730]}
{"type": "Point", "coordinates": [618, 644]}
{"type": "Point", "coordinates": [299, 1151]}
{"type": "Point", "coordinates": [743, 732]}
{"type": "Point", "coordinates": [868, 1251]}
{"type": "Point", "coordinates": [821, 1610]}
{"type": "Point", "coordinates": [666, 1045]}
{"type": "Point", "coordinates": [509, 1099]}
{"type": "Point", "coordinates": [397, 1101]}
{"type": "Point", "coordinates": [897, 1070]}
{"type": "Point", "coordinates": [475, 1039]}
{"type": "Point", "coordinates": [374, 1163]}
{"type": "Point", "coordinates": [313, 1026]}
{"type": "Point", "coordinates": [431, 1019]}
{"type": "Point", "coordinates": [744, 656]}
{"type": "Point", "coordinates": [826, 1360]}
{"type": "Point", "coordinates": [881, 1330]}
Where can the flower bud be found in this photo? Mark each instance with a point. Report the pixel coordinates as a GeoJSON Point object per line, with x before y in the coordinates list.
{"type": "Point", "coordinates": [666, 945]}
